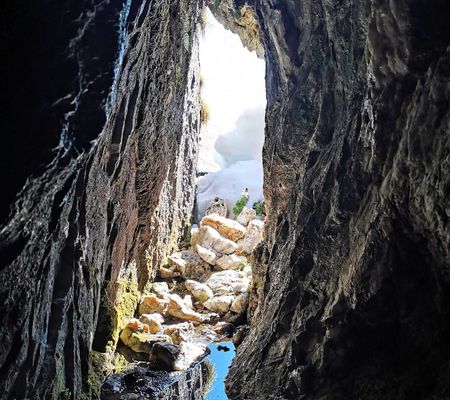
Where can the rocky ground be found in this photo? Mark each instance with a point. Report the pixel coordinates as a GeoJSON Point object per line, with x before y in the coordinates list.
{"type": "Point", "coordinates": [201, 296]}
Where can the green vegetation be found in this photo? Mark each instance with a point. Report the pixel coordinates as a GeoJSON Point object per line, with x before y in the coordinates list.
{"type": "Point", "coordinates": [124, 306]}
{"type": "Point", "coordinates": [259, 207]}
{"type": "Point", "coordinates": [240, 204]}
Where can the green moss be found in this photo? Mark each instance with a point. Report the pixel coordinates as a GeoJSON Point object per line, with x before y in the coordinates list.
{"type": "Point", "coordinates": [124, 307]}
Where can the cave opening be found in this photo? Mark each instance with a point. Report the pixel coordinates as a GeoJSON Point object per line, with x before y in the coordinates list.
{"type": "Point", "coordinates": [233, 103]}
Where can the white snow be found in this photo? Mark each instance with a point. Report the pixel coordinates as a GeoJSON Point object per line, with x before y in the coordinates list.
{"type": "Point", "coordinates": [229, 183]}
{"type": "Point", "coordinates": [231, 141]}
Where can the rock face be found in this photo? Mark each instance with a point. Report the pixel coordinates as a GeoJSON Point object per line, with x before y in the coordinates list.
{"type": "Point", "coordinates": [99, 210]}
{"type": "Point", "coordinates": [351, 286]}
{"type": "Point", "coordinates": [353, 279]}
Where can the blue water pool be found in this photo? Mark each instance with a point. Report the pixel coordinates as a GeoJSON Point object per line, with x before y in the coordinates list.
{"type": "Point", "coordinates": [221, 360]}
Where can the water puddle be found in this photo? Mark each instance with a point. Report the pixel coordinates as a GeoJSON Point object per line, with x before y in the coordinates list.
{"type": "Point", "coordinates": [221, 356]}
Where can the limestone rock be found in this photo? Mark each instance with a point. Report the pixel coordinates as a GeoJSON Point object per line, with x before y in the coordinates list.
{"type": "Point", "coordinates": [232, 261]}
{"type": "Point", "coordinates": [141, 342]}
{"type": "Point", "coordinates": [200, 291]}
{"type": "Point", "coordinates": [187, 299]}
{"type": "Point", "coordinates": [246, 215]}
{"type": "Point", "coordinates": [151, 304]}
{"type": "Point", "coordinates": [153, 321]}
{"type": "Point", "coordinates": [179, 332]}
{"type": "Point", "coordinates": [182, 260]}
{"type": "Point", "coordinates": [168, 273]}
{"type": "Point", "coordinates": [178, 309]}
{"type": "Point", "coordinates": [161, 289]}
{"type": "Point", "coordinates": [229, 228]}
{"type": "Point", "coordinates": [228, 282]}
{"type": "Point", "coordinates": [240, 303]}
{"type": "Point", "coordinates": [253, 236]}
{"type": "Point", "coordinates": [217, 206]}
{"type": "Point", "coordinates": [190, 352]}
{"type": "Point", "coordinates": [211, 239]}
{"type": "Point", "coordinates": [206, 255]}
{"type": "Point", "coordinates": [219, 304]}
{"type": "Point", "coordinates": [138, 326]}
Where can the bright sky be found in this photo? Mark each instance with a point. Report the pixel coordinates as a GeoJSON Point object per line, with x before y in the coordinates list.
{"type": "Point", "coordinates": [233, 87]}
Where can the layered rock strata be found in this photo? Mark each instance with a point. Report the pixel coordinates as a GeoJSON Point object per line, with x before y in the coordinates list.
{"type": "Point", "coordinates": [94, 226]}
{"type": "Point", "coordinates": [353, 280]}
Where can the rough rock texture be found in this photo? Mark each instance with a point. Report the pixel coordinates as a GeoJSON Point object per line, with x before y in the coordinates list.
{"type": "Point", "coordinates": [354, 296]}
{"type": "Point", "coordinates": [91, 218]}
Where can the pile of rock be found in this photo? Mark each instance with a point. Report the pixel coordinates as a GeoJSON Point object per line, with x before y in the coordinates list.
{"type": "Point", "coordinates": [214, 285]}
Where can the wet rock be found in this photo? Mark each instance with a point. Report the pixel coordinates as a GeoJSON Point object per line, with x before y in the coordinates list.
{"type": "Point", "coordinates": [154, 322]}
{"type": "Point", "coordinates": [240, 303]}
{"type": "Point", "coordinates": [253, 236]}
{"type": "Point", "coordinates": [206, 255]}
{"type": "Point", "coordinates": [171, 357]}
{"type": "Point", "coordinates": [229, 228]}
{"type": "Point", "coordinates": [246, 215]}
{"type": "Point", "coordinates": [200, 291]}
{"type": "Point", "coordinates": [219, 304]}
{"type": "Point", "coordinates": [164, 355]}
{"type": "Point", "coordinates": [232, 261]}
{"type": "Point", "coordinates": [178, 309]}
{"type": "Point", "coordinates": [228, 282]}
{"type": "Point", "coordinates": [151, 304]}
{"type": "Point", "coordinates": [141, 342]}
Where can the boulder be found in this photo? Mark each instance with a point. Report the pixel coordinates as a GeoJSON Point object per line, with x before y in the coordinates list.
{"type": "Point", "coordinates": [200, 291]}
{"type": "Point", "coordinates": [229, 228]}
{"type": "Point", "coordinates": [246, 215]}
{"type": "Point", "coordinates": [151, 304]}
{"type": "Point", "coordinates": [153, 321]}
{"type": "Point", "coordinates": [179, 332]}
{"type": "Point", "coordinates": [206, 255]}
{"type": "Point", "coordinates": [240, 303]}
{"type": "Point", "coordinates": [253, 236]}
{"type": "Point", "coordinates": [141, 342]}
{"type": "Point", "coordinates": [190, 353]}
{"type": "Point", "coordinates": [138, 326]}
{"type": "Point", "coordinates": [178, 309]}
{"type": "Point", "coordinates": [182, 260]}
{"type": "Point", "coordinates": [219, 304]}
{"type": "Point", "coordinates": [161, 289]}
{"type": "Point", "coordinates": [168, 273]}
{"type": "Point", "coordinates": [164, 355]}
{"type": "Point", "coordinates": [187, 299]}
{"type": "Point", "coordinates": [228, 282]}
{"type": "Point", "coordinates": [231, 261]}
{"type": "Point", "coordinates": [171, 357]}
{"type": "Point", "coordinates": [224, 328]}
{"type": "Point", "coordinates": [211, 239]}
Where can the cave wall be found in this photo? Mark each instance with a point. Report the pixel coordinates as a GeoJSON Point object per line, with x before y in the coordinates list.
{"type": "Point", "coordinates": [353, 280]}
{"type": "Point", "coordinates": [115, 196]}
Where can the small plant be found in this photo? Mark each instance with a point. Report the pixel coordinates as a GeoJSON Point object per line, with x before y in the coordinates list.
{"type": "Point", "coordinates": [259, 207]}
{"type": "Point", "coordinates": [240, 204]}
{"type": "Point", "coordinates": [204, 112]}
{"type": "Point", "coordinates": [217, 3]}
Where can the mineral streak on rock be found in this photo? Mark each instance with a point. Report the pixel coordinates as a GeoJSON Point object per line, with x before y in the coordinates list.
{"type": "Point", "coordinates": [80, 225]}
{"type": "Point", "coordinates": [353, 280]}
